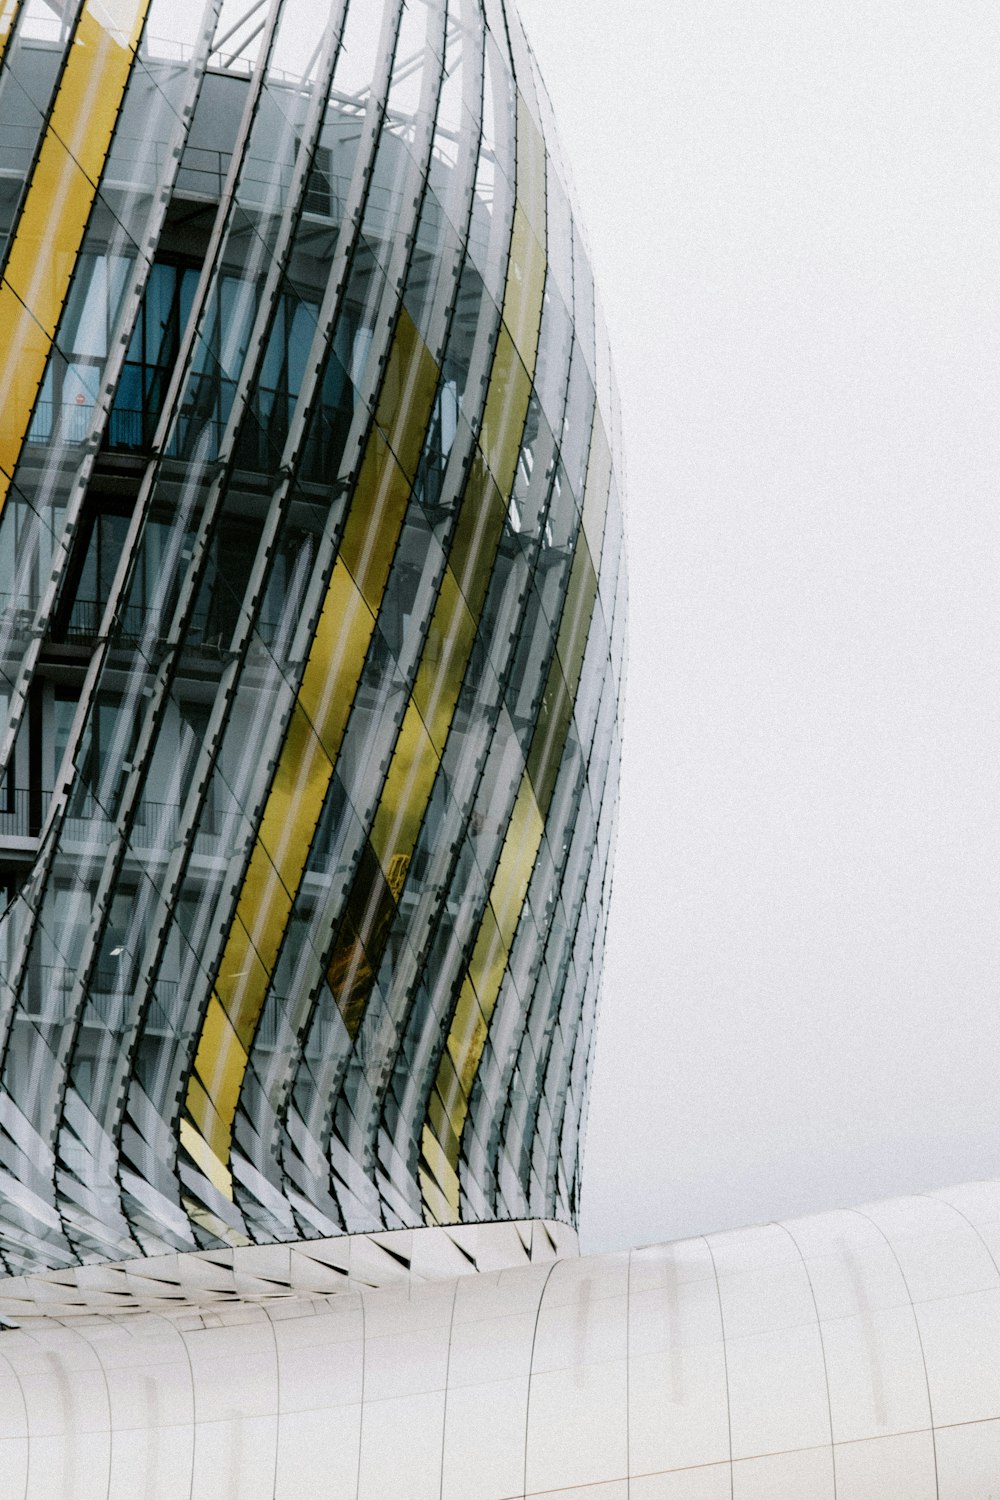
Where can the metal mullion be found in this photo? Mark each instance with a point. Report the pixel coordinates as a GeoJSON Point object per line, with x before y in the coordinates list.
{"type": "Point", "coordinates": [277, 510]}
{"type": "Point", "coordinates": [374, 1122]}
{"type": "Point", "coordinates": [588, 749]}
{"type": "Point", "coordinates": [276, 865]}
{"type": "Point", "coordinates": [461, 958]}
{"type": "Point", "coordinates": [49, 840]}
{"type": "Point", "coordinates": [328, 315]}
{"type": "Point", "coordinates": [543, 1153]}
{"type": "Point", "coordinates": [321, 956]}
{"type": "Point", "coordinates": [435, 1073]}
{"type": "Point", "coordinates": [577, 1058]}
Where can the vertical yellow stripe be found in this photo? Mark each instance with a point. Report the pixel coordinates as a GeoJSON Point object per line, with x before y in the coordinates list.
{"type": "Point", "coordinates": [312, 743]}
{"type": "Point", "coordinates": [61, 193]}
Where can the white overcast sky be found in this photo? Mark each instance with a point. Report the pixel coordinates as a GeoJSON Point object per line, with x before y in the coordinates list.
{"type": "Point", "coordinates": [794, 212]}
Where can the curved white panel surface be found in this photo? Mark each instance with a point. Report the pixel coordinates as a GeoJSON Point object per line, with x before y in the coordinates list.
{"type": "Point", "coordinates": [849, 1356]}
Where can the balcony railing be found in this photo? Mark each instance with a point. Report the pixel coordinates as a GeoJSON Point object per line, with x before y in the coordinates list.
{"type": "Point", "coordinates": [206, 634]}
{"type": "Point", "coordinates": [49, 989]}
{"type": "Point", "coordinates": [157, 825]}
{"type": "Point", "coordinates": [16, 820]}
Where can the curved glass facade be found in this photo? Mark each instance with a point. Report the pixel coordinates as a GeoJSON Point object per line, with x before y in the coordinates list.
{"type": "Point", "coordinates": [311, 629]}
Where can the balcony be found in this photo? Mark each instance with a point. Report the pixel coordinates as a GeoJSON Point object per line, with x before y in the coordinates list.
{"type": "Point", "coordinates": [156, 827]}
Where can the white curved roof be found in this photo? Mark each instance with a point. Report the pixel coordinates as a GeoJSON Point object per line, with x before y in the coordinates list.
{"type": "Point", "coordinates": [848, 1356]}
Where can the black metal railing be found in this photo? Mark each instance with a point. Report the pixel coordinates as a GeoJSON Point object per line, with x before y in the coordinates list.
{"type": "Point", "coordinates": [16, 810]}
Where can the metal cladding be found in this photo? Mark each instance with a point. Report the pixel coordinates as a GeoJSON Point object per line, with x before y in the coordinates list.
{"type": "Point", "coordinates": [311, 628]}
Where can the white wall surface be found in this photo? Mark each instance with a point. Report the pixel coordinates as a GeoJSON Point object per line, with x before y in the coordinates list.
{"type": "Point", "coordinates": [849, 1356]}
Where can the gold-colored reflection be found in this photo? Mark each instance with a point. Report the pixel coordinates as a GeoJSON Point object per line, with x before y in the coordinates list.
{"type": "Point", "coordinates": [211, 1223]}
{"type": "Point", "coordinates": [522, 309]}
{"type": "Point", "coordinates": [51, 224]}
{"type": "Point", "coordinates": [449, 1103]}
{"type": "Point", "coordinates": [312, 743]}
{"type": "Point", "coordinates": [506, 400]}
{"type": "Point", "coordinates": [530, 168]}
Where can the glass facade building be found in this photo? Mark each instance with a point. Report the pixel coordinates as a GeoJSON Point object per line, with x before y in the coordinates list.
{"type": "Point", "coordinates": [311, 628]}
{"type": "Point", "coordinates": [312, 612]}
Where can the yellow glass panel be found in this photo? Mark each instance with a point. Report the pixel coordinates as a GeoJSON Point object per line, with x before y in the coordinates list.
{"type": "Point", "coordinates": [220, 1060]}
{"type": "Point", "coordinates": [459, 605]}
{"type": "Point", "coordinates": [336, 659]}
{"type": "Point", "coordinates": [506, 409]}
{"type": "Point", "coordinates": [470, 1024]}
{"type": "Point", "coordinates": [437, 1205]}
{"type": "Point", "coordinates": [530, 168]}
{"type": "Point", "coordinates": [211, 1223]}
{"type": "Point", "coordinates": [370, 533]}
{"type": "Point", "coordinates": [293, 809]}
{"type": "Point", "coordinates": [522, 308]}
{"type": "Point", "coordinates": [443, 1174]}
{"type": "Point", "coordinates": [477, 535]}
{"type": "Point", "coordinates": [510, 883]}
{"type": "Point", "coordinates": [577, 615]}
{"type": "Point", "coordinates": [437, 1115]}
{"type": "Point", "coordinates": [408, 391]}
{"type": "Point", "coordinates": [442, 666]}
{"type": "Point", "coordinates": [241, 973]}
{"type": "Point", "coordinates": [200, 1152]}
{"type": "Point", "coordinates": [51, 225]}
{"type": "Point", "coordinates": [466, 1041]}
{"type": "Point", "coordinates": [203, 1115]}
{"type": "Point", "coordinates": [406, 792]}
